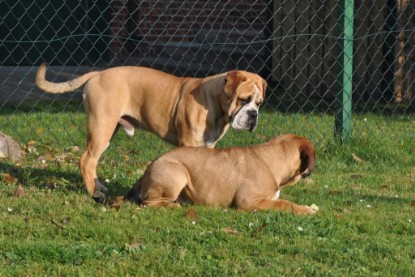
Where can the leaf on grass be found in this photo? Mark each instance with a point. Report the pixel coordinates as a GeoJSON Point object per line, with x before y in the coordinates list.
{"type": "Point", "coordinates": [31, 142]}
{"type": "Point", "coordinates": [133, 247]}
{"type": "Point", "coordinates": [356, 176]}
{"type": "Point", "coordinates": [64, 158]}
{"type": "Point", "coordinates": [9, 179]}
{"type": "Point", "coordinates": [61, 223]}
{"type": "Point", "coordinates": [258, 230]}
{"type": "Point", "coordinates": [338, 216]}
{"type": "Point", "coordinates": [413, 203]}
{"type": "Point", "coordinates": [32, 149]}
{"type": "Point", "coordinates": [191, 214]}
{"type": "Point", "coordinates": [74, 149]}
{"type": "Point", "coordinates": [57, 224]}
{"type": "Point", "coordinates": [309, 181]}
{"type": "Point", "coordinates": [53, 182]}
{"type": "Point", "coordinates": [39, 131]}
{"type": "Point", "coordinates": [230, 231]}
{"type": "Point", "coordinates": [42, 159]}
{"type": "Point", "coordinates": [117, 202]}
{"type": "Point", "coordinates": [356, 158]}
{"type": "Point", "coordinates": [19, 191]}
{"type": "Point", "coordinates": [17, 166]}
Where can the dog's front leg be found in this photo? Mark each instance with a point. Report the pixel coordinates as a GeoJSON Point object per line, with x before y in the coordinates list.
{"type": "Point", "coordinates": [285, 205]}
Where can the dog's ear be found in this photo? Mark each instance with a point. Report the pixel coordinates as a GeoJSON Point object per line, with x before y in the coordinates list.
{"type": "Point", "coordinates": [233, 79]}
{"type": "Point", "coordinates": [264, 87]}
{"type": "Point", "coordinates": [307, 157]}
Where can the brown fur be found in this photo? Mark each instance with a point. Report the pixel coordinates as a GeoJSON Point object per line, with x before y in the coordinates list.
{"type": "Point", "coordinates": [247, 178]}
{"type": "Point", "coordinates": [181, 111]}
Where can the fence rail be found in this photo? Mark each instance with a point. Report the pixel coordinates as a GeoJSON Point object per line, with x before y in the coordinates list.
{"type": "Point", "coordinates": [297, 46]}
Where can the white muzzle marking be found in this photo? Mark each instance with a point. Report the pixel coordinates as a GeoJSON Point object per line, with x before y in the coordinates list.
{"type": "Point", "coordinates": [244, 119]}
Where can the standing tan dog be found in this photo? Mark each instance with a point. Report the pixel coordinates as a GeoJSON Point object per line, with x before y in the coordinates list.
{"type": "Point", "coordinates": [248, 178]}
{"type": "Point", "coordinates": [181, 111]}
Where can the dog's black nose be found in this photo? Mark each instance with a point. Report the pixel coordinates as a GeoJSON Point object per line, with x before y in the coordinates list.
{"type": "Point", "coordinates": [253, 114]}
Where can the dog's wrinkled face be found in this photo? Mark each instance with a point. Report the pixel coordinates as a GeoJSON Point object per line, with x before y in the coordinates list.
{"type": "Point", "coordinates": [244, 93]}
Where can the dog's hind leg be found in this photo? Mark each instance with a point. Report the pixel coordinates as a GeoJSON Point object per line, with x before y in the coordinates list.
{"type": "Point", "coordinates": [162, 183]}
{"type": "Point", "coordinates": [100, 131]}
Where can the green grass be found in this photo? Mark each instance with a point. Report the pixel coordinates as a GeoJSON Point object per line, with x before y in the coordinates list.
{"type": "Point", "coordinates": [365, 226]}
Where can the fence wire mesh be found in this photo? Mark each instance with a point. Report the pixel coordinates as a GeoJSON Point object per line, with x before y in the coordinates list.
{"type": "Point", "coordinates": [294, 45]}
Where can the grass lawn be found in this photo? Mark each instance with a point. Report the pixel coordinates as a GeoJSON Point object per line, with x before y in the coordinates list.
{"type": "Point", "coordinates": [365, 190]}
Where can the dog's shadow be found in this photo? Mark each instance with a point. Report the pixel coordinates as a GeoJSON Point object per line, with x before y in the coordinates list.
{"type": "Point", "coordinates": [53, 179]}
{"type": "Point", "coordinates": [41, 178]}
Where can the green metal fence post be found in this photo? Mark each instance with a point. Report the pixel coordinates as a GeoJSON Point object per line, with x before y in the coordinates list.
{"type": "Point", "coordinates": [343, 117]}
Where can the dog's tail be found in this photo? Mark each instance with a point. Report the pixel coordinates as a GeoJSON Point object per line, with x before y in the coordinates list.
{"type": "Point", "coordinates": [63, 87]}
{"type": "Point", "coordinates": [308, 158]}
{"type": "Point", "coordinates": [134, 194]}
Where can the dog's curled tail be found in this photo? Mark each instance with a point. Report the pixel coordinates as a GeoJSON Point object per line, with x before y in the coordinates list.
{"type": "Point", "coordinates": [308, 158]}
{"type": "Point", "coordinates": [134, 194]}
{"type": "Point", "coordinates": [63, 87]}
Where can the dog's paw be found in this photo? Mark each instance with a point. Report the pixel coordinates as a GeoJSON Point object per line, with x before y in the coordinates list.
{"type": "Point", "coordinates": [99, 197]}
{"type": "Point", "coordinates": [100, 191]}
{"type": "Point", "coordinates": [304, 210]}
{"type": "Point", "coordinates": [100, 186]}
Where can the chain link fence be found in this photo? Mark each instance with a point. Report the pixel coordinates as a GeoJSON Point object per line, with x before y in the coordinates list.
{"type": "Point", "coordinates": [297, 46]}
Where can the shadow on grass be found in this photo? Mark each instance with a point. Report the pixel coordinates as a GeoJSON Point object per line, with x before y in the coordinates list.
{"type": "Point", "coordinates": [57, 105]}
{"type": "Point", "coordinates": [57, 179]}
{"type": "Point", "coordinates": [43, 177]}
{"type": "Point", "coordinates": [371, 198]}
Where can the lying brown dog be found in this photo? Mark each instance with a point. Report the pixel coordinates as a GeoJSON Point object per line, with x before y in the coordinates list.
{"type": "Point", "coordinates": [248, 178]}
{"type": "Point", "coordinates": [181, 111]}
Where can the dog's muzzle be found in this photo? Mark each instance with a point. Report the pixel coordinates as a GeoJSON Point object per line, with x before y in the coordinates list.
{"type": "Point", "coordinates": [245, 119]}
{"type": "Point", "coordinates": [306, 173]}
{"type": "Point", "coordinates": [252, 119]}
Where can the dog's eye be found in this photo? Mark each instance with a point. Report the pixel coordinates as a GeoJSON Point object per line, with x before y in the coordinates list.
{"type": "Point", "coordinates": [245, 101]}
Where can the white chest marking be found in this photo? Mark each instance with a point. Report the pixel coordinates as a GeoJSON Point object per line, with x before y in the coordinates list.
{"type": "Point", "coordinates": [276, 195]}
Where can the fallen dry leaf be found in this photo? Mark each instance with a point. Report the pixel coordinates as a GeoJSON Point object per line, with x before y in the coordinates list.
{"type": "Point", "coordinates": [413, 203]}
{"type": "Point", "coordinates": [17, 166]}
{"type": "Point", "coordinates": [309, 181]}
{"type": "Point", "coordinates": [356, 158]}
{"type": "Point", "coordinates": [117, 202]}
{"type": "Point", "coordinates": [53, 182]}
{"type": "Point", "coordinates": [259, 229]}
{"type": "Point", "coordinates": [19, 192]}
{"type": "Point", "coordinates": [133, 246]}
{"type": "Point", "coordinates": [74, 149]}
{"type": "Point", "coordinates": [57, 224]}
{"type": "Point", "coordinates": [32, 149]}
{"type": "Point", "coordinates": [31, 142]}
{"type": "Point", "coordinates": [9, 179]}
{"type": "Point", "coordinates": [191, 214]}
{"type": "Point", "coordinates": [356, 176]}
{"type": "Point", "coordinates": [338, 216]}
{"type": "Point", "coordinates": [384, 186]}
{"type": "Point", "coordinates": [230, 230]}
